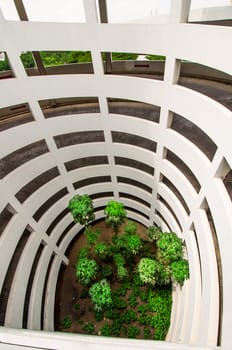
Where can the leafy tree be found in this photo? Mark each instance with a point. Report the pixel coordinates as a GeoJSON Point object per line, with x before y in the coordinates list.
{"type": "Point", "coordinates": [115, 214]}
{"type": "Point", "coordinates": [130, 243]}
{"type": "Point", "coordinates": [149, 271]}
{"type": "Point", "coordinates": [81, 208]}
{"type": "Point", "coordinates": [86, 270]}
{"type": "Point", "coordinates": [153, 233]}
{"type": "Point", "coordinates": [170, 247]}
{"type": "Point", "coordinates": [180, 271]}
{"type": "Point", "coordinates": [91, 235]}
{"type": "Point", "coordinates": [102, 250]}
{"type": "Point", "coordinates": [100, 294]}
{"type": "Point", "coordinates": [119, 262]}
{"type": "Point", "coordinates": [130, 227]}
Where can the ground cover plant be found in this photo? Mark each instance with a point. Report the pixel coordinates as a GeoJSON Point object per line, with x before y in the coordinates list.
{"type": "Point", "coordinates": [124, 281]}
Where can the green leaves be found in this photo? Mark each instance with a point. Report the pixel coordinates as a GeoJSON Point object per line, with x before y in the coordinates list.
{"type": "Point", "coordinates": [180, 271]}
{"type": "Point", "coordinates": [170, 247]}
{"type": "Point", "coordinates": [102, 250]}
{"type": "Point", "coordinates": [81, 208]}
{"type": "Point", "coordinates": [153, 233]}
{"type": "Point", "coordinates": [100, 294]}
{"type": "Point", "coordinates": [86, 270]}
{"type": "Point", "coordinates": [115, 214]}
{"type": "Point", "coordinates": [149, 270]}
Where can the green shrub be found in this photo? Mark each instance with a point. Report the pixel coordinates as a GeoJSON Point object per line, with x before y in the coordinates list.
{"type": "Point", "coordinates": [129, 316]}
{"type": "Point", "coordinates": [112, 314]}
{"type": "Point", "coordinates": [129, 243]}
{"type": "Point", "coordinates": [180, 271]}
{"type": "Point", "coordinates": [83, 253]}
{"type": "Point", "coordinates": [170, 247]}
{"type": "Point", "coordinates": [116, 327]}
{"type": "Point", "coordinates": [130, 228]}
{"type": "Point", "coordinates": [88, 328]}
{"type": "Point", "coordinates": [66, 322]}
{"type": "Point", "coordinates": [81, 208]}
{"type": "Point", "coordinates": [98, 315]}
{"type": "Point", "coordinates": [146, 333]}
{"type": "Point", "coordinates": [102, 250]}
{"type": "Point", "coordinates": [106, 330]}
{"type": "Point", "coordinates": [143, 294]}
{"type": "Point", "coordinates": [133, 332]}
{"type": "Point", "coordinates": [145, 320]}
{"type": "Point", "coordinates": [149, 270]}
{"type": "Point", "coordinates": [153, 233]}
{"type": "Point", "coordinates": [118, 302]}
{"type": "Point", "coordinates": [115, 214]}
{"type": "Point", "coordinates": [142, 309]}
{"type": "Point", "coordinates": [91, 235]}
{"type": "Point", "coordinates": [121, 270]}
{"type": "Point", "coordinates": [86, 270]}
{"type": "Point", "coordinates": [132, 300]}
{"type": "Point", "coordinates": [100, 294]}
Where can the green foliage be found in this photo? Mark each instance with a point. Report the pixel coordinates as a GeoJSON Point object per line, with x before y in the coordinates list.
{"type": "Point", "coordinates": [98, 315]}
{"type": "Point", "coordinates": [132, 300]}
{"type": "Point", "coordinates": [180, 271]}
{"type": "Point", "coordinates": [106, 330]}
{"type": "Point", "coordinates": [100, 294]}
{"type": "Point", "coordinates": [66, 322]}
{"type": "Point", "coordinates": [5, 65]}
{"type": "Point", "coordinates": [86, 270]}
{"type": "Point", "coordinates": [83, 253]}
{"type": "Point", "coordinates": [153, 233]}
{"type": "Point", "coordinates": [102, 250]}
{"type": "Point", "coordinates": [115, 214]}
{"type": "Point", "coordinates": [146, 333]}
{"type": "Point", "coordinates": [130, 227]}
{"type": "Point", "coordinates": [160, 303]}
{"type": "Point", "coordinates": [54, 58]}
{"type": "Point", "coordinates": [88, 328]}
{"type": "Point", "coordinates": [170, 247]}
{"type": "Point", "coordinates": [28, 60]}
{"type": "Point", "coordinates": [81, 208]}
{"type": "Point", "coordinates": [129, 316]}
{"type": "Point", "coordinates": [91, 235]}
{"type": "Point", "coordinates": [112, 314]}
{"type": "Point", "coordinates": [149, 270]}
{"type": "Point", "coordinates": [122, 56]}
{"type": "Point", "coordinates": [116, 327]}
{"type": "Point", "coordinates": [121, 270]}
{"type": "Point", "coordinates": [130, 243]}
{"type": "Point", "coordinates": [133, 332]}
{"type": "Point", "coordinates": [155, 58]}
{"type": "Point", "coordinates": [118, 302]}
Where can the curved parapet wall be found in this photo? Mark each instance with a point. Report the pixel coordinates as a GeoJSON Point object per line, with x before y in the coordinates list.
{"type": "Point", "coordinates": [161, 147]}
